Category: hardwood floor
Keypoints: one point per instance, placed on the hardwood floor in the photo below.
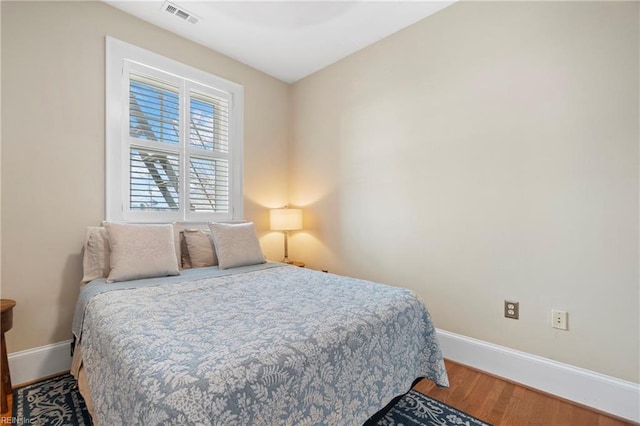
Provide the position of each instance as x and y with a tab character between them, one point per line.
5	418
496	401
500	402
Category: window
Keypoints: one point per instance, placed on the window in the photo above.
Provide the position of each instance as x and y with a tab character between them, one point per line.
174	140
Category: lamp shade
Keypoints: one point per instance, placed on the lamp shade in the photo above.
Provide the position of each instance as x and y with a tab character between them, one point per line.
285	219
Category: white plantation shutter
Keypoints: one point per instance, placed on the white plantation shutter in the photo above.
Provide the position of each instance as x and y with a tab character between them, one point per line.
209	119
154	183
178	155
209	185
154	110
209	152
154	116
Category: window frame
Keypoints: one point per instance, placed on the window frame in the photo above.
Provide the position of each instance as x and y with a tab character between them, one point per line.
121	59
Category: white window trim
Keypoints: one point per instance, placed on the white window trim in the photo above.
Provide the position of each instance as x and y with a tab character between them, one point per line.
118	55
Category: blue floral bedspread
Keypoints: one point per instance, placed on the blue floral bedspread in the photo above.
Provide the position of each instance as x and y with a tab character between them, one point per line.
266	346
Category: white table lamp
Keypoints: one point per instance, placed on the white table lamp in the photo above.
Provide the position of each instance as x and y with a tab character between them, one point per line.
286	220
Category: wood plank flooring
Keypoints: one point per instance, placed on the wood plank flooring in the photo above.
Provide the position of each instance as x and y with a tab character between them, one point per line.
5	418
496	401
499	402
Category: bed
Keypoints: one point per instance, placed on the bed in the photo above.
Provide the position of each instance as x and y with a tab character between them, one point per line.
260	344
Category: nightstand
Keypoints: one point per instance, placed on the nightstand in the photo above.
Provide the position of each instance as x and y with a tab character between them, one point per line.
7	323
298	264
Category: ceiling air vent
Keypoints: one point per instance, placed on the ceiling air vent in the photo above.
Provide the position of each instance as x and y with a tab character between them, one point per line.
179	12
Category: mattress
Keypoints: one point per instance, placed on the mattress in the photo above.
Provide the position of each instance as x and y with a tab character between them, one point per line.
261	345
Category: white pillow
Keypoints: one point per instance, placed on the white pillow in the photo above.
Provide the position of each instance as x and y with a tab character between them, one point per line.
200	247
141	251
97	252
236	245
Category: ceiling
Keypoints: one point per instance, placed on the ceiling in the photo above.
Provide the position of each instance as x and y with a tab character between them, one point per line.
286	39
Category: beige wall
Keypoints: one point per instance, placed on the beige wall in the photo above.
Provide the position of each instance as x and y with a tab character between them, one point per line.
53	100
488	152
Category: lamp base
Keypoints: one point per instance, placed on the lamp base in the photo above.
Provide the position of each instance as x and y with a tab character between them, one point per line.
287	260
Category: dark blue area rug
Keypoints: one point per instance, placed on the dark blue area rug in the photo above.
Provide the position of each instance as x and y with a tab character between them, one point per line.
57	401
415	408
54	401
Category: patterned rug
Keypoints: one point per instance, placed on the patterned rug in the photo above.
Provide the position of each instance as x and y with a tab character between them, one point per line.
57	401
415	408
54	401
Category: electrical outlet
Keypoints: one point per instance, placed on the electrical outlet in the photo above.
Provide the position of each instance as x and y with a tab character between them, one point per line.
511	309
560	319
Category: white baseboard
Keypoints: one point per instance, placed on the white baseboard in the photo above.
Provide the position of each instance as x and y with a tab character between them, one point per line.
605	393
33	364
608	394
